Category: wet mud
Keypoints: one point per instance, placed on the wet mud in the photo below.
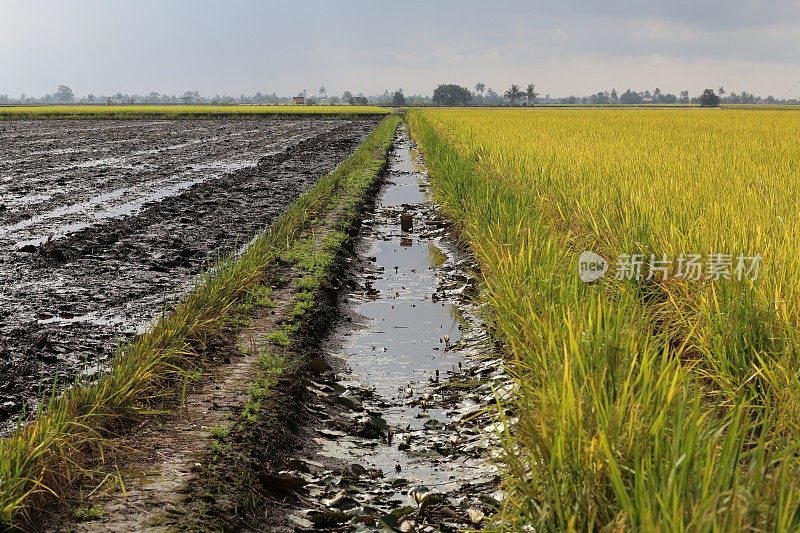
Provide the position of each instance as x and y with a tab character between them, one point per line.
402	427
104	225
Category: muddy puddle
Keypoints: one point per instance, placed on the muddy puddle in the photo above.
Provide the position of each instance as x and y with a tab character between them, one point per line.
403	425
105	224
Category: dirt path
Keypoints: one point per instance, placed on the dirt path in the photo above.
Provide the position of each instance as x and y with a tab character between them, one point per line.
164	463
401	430
104	224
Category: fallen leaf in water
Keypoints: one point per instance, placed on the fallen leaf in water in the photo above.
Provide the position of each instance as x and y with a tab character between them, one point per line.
328	518
374	427
489	501
350	401
475	516
447	512
341	501
419	493
282	482
433	424
403	511
388	522
332	480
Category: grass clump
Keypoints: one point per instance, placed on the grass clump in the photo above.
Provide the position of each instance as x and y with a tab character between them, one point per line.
220	433
93	512
279	338
308	284
261	296
317	264
271	367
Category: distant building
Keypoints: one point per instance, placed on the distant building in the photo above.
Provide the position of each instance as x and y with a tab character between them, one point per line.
300	100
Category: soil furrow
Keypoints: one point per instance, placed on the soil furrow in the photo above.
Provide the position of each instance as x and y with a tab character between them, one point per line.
79	168
72	298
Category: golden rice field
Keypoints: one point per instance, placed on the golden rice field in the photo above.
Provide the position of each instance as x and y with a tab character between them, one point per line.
665	402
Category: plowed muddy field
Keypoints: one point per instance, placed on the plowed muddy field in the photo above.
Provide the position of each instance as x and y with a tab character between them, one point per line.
105	224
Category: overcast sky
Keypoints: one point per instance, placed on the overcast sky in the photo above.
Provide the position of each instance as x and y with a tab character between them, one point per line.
243	46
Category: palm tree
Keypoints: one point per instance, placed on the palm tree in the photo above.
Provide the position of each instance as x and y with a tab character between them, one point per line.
721	90
531	93
322	92
479	88
513	93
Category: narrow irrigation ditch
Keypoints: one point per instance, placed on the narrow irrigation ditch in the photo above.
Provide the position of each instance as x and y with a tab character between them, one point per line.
401	425
353	388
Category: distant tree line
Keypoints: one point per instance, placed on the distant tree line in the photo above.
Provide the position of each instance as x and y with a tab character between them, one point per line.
65	95
516	96
448	94
456	95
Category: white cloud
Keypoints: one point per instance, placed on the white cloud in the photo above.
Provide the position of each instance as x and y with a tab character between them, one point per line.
250	45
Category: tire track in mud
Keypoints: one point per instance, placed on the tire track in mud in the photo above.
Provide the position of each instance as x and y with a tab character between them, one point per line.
69	299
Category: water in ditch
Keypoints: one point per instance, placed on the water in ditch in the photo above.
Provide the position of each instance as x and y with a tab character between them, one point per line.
406	421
